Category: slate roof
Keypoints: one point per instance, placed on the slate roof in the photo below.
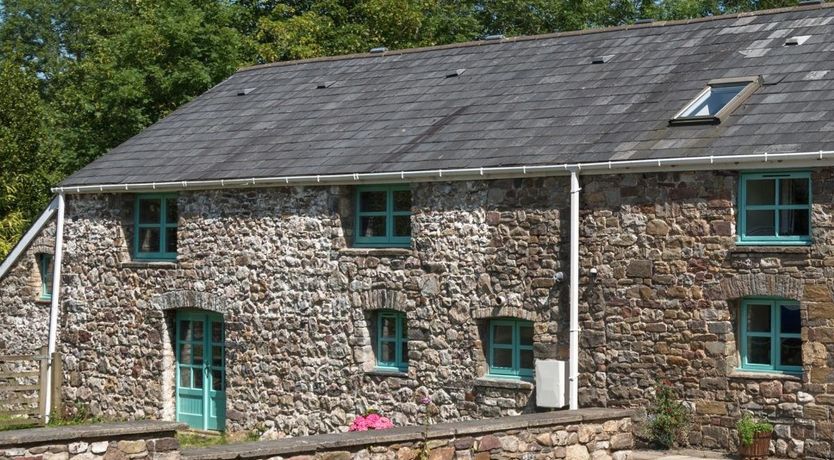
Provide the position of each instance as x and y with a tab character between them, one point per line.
527	101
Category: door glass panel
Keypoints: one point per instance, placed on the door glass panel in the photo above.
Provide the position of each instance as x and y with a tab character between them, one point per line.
790	351
794	191
402	200
372	226
149	239
171	239
197	328
185	330
790	322
216	356
793	222
217	380
185	377
198	378
372	201
402	225
503	334
185	353
761	192
758	318
760	223
217	332
502	357
758	350
198	355
149	211
526	359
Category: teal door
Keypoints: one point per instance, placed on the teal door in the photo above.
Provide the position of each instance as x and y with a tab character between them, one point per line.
201	386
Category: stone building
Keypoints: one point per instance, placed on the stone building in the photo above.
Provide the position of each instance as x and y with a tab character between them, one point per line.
312	239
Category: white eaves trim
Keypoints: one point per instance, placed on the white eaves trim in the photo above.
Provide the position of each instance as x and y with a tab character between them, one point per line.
28	237
723	162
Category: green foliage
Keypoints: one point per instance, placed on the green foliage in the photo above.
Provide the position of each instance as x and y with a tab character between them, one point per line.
668	418
748	427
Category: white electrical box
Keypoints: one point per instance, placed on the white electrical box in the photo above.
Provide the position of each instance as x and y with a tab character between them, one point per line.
551	383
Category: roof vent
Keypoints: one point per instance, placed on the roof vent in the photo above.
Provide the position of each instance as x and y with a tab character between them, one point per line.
380	49
325	84
456	73
495	37
810	2
644	21
245	91
798	40
601	59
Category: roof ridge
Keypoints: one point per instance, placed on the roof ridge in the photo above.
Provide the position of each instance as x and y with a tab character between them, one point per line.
524	38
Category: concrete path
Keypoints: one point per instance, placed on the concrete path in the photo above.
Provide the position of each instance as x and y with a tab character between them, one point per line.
682	454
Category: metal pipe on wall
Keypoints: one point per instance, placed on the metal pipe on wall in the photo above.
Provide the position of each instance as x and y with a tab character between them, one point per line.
52	338
573	360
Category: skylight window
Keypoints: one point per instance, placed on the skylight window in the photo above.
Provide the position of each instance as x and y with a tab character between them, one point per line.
717	100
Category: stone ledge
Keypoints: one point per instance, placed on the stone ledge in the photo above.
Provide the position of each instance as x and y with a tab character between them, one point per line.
149	264
329	442
754	249
376	252
384	373
494	382
29	436
764	376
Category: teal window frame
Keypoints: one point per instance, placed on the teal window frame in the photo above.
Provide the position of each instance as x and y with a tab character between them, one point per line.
46	276
399	339
388	240
776	207
162	225
515	371
775	334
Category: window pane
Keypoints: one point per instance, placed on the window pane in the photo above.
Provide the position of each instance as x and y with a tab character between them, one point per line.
502	334
502	358
761	191
149	239
790	321
388	352
402	200
185	377
198	378
171	211
526	335
149	211
758	350
171	239
47	266
198	355
758	318
404	357
389	326
185	353
791	352
526	359
217	332
372	201
217	380
372	226
794	191
197	328
216	356
402	225
185	330
793	222
760	223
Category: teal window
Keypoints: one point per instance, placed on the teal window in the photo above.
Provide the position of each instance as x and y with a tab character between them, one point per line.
391	341
770	335
510	348
45	268
775	208
383	216
155	235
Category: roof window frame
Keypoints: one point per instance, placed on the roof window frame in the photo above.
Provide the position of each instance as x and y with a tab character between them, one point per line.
751	84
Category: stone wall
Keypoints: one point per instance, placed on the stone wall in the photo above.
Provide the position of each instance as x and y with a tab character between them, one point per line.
25	317
121	441
576	435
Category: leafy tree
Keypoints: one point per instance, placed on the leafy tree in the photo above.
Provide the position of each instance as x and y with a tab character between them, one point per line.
27	156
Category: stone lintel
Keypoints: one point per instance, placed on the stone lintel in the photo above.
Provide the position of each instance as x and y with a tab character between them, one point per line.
760	284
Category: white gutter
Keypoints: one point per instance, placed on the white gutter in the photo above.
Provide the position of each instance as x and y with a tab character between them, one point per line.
56	293
573	359
28	237
749	161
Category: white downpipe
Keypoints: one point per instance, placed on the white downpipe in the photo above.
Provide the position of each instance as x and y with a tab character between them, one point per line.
56	292
573	362
722	162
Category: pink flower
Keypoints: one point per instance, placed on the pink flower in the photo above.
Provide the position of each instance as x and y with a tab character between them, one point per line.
370	422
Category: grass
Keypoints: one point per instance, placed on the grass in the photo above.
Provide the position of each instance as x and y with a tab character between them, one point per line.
192	439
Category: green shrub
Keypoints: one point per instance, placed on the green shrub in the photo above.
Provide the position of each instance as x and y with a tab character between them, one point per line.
748	427
668	418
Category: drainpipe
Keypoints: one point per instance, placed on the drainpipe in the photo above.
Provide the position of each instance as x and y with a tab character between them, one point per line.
53	308
573	361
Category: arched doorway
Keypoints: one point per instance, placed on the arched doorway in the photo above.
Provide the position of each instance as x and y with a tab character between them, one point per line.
200	369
